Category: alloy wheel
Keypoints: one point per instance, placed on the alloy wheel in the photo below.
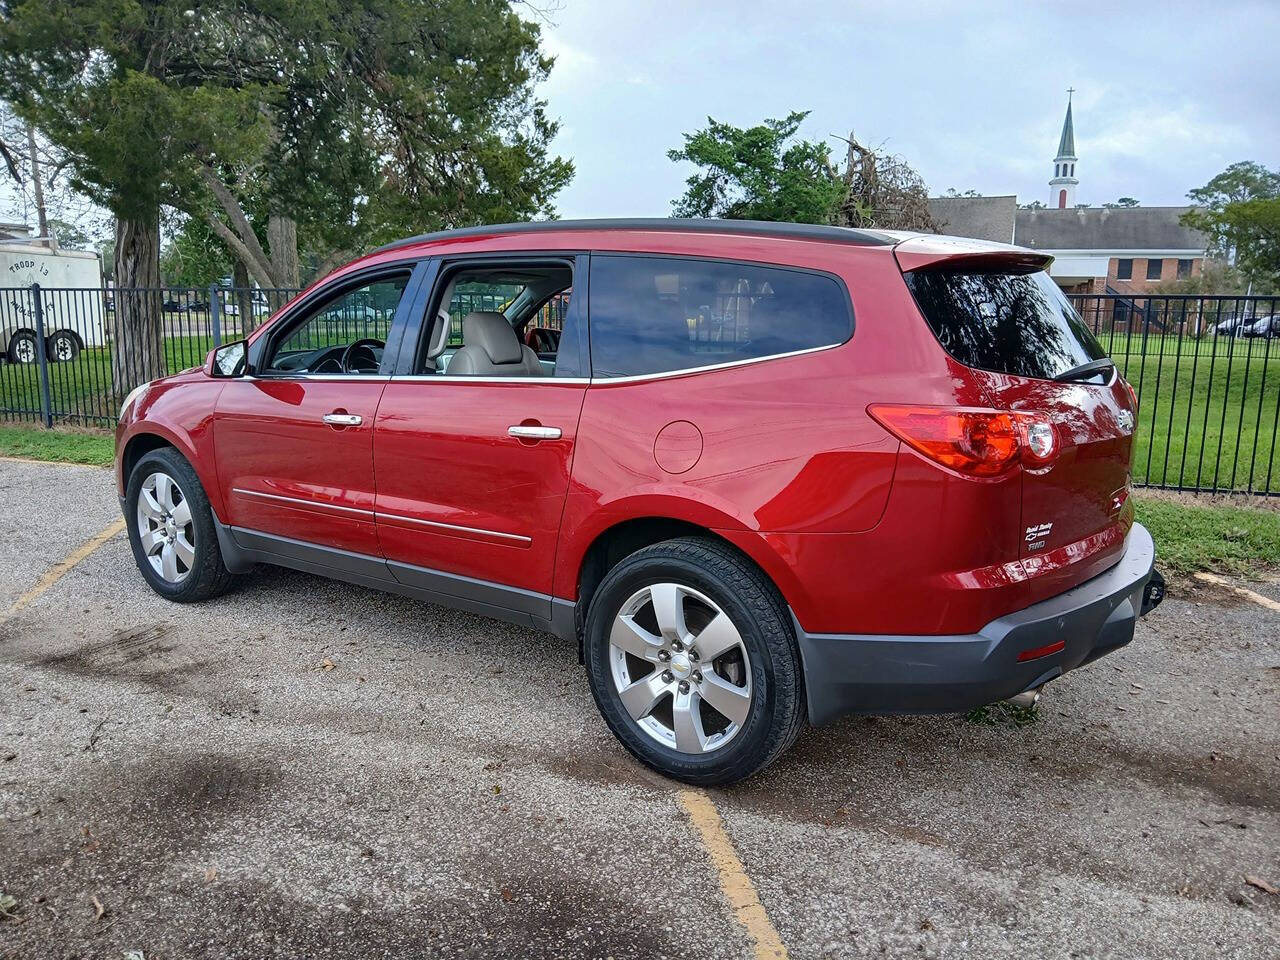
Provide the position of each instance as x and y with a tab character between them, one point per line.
681	668
165	529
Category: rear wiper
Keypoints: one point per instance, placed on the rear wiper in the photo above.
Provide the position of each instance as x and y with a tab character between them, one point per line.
1086	370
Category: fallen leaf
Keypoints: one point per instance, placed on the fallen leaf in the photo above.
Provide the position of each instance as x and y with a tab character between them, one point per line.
134	955
507	895
8	904
1261	884
326	664
99	911
497	788
211	874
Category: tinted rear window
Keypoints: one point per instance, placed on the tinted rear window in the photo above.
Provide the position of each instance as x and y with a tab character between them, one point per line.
1015	323
661	314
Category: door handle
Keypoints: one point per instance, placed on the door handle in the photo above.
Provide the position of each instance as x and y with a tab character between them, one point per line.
527	432
343	419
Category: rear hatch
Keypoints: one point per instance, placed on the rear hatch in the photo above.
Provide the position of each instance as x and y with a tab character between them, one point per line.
1003	317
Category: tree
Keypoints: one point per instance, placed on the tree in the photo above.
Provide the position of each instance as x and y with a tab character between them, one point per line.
764	173
353	120
881	191
395	117
195	256
1033	205
756	174
131	92
953	192
1123	202
1239	210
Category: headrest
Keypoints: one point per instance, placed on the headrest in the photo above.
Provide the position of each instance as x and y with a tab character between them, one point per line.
439	335
493	334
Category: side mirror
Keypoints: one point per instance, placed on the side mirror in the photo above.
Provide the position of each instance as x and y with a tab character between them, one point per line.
228	360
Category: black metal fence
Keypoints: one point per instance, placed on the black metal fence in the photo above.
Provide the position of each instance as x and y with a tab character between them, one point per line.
1206	369
68	356
1207	374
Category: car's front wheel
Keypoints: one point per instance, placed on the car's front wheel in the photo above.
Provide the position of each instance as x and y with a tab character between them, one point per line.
171	529
693	661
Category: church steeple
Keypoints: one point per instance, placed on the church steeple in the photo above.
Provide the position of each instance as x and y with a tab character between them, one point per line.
1062	187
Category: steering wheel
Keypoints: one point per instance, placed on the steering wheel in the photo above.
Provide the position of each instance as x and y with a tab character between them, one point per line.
359	356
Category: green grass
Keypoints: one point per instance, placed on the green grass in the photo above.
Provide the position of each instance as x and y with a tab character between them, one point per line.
83	386
1207	410
62	446
1236	540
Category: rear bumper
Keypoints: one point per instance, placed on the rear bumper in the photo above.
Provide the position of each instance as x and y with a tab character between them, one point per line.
851	673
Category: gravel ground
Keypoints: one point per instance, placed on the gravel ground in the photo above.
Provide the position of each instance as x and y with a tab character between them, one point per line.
303	768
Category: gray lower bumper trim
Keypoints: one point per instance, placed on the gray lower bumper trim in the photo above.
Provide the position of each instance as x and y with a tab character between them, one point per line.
862	673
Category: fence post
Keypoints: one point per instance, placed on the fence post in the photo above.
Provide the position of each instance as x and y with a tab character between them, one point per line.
215	315
42	359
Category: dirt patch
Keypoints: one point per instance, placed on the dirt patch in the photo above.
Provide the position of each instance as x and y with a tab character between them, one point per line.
147	654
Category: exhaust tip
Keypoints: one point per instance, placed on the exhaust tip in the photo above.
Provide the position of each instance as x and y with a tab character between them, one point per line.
1027	698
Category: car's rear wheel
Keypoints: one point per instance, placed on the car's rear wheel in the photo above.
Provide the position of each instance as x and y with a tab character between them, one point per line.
693	661
171	529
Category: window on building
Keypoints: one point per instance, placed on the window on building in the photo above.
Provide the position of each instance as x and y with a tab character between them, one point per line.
1155	266
1124	269
1184	269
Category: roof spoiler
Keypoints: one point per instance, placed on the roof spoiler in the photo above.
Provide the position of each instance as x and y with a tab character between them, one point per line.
924	251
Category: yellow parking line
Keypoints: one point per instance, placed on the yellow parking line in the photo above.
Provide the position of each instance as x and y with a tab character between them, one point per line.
737	886
58	571
1255	597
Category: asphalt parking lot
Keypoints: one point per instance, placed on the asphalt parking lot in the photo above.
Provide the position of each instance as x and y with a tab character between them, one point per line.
304	768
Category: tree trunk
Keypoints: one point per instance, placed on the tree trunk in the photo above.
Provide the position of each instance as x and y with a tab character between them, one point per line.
244	296
282	242
137	353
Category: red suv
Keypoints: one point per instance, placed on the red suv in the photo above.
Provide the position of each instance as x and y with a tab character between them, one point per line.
758	472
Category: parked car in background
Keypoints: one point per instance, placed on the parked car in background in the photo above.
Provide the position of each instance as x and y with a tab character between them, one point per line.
770	473
1268	326
1232	327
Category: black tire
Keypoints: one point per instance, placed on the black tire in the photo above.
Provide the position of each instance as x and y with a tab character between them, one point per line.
207	576
777	712
22	347
62	347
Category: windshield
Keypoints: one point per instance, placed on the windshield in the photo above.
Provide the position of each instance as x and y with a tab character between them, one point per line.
1017	323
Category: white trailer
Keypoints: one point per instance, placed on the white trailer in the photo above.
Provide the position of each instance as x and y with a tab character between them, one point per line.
71	294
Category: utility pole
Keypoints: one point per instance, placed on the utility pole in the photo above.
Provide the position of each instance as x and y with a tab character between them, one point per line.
41	214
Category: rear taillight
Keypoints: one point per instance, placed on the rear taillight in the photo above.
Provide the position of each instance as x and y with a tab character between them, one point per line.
973	442
1133	395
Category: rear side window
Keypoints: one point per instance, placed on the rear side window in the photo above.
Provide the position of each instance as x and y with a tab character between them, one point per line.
1015	323
661	314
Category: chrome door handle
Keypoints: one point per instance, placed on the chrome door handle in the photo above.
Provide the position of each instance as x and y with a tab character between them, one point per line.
343	419
523	432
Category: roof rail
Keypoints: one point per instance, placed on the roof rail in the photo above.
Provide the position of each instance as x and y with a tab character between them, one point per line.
799	231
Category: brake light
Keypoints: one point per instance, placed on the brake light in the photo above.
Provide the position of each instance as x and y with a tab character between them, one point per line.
973	442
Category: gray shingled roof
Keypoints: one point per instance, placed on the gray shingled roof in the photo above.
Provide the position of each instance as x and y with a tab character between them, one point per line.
1101	228
981	218
1067	145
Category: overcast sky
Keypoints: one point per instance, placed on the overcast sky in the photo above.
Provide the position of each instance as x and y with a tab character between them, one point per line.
972	95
